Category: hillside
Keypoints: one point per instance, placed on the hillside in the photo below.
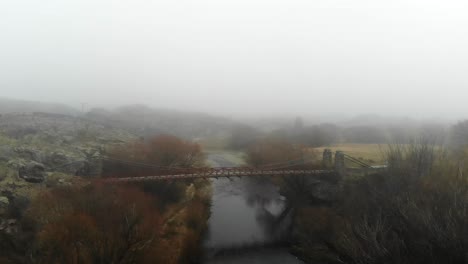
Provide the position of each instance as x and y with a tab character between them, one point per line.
146	121
38	150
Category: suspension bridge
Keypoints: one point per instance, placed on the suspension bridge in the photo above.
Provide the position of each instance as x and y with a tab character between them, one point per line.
287	168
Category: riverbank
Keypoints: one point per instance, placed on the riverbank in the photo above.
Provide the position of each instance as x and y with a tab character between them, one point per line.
185	226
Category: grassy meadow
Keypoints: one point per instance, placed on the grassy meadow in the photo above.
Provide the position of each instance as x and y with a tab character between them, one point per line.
369	153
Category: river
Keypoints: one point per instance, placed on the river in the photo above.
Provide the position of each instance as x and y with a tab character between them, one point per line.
243	226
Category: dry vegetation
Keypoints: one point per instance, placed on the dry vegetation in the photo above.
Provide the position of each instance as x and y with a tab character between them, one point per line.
414	213
86	222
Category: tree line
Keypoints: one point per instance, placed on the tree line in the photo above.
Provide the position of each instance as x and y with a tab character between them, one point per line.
243	136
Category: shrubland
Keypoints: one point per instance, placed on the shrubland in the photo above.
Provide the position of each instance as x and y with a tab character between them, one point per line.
79	220
415	212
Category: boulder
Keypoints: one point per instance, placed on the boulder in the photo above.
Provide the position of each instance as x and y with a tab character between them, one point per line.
68	163
32	172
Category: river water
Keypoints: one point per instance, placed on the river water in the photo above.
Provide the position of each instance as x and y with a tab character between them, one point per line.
244	225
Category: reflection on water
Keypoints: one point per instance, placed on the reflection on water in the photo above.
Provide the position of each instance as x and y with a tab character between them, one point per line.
244	213
244	220
258	256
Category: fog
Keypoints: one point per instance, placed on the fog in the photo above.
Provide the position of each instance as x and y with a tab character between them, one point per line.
240	57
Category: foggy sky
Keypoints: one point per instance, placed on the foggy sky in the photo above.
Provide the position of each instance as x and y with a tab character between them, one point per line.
240	57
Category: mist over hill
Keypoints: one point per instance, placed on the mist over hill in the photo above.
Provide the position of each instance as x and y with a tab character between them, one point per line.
22	106
146	121
138	119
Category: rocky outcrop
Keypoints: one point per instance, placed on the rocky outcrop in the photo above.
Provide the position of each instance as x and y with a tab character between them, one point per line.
69	163
82	162
72	161
33	172
61	143
58	129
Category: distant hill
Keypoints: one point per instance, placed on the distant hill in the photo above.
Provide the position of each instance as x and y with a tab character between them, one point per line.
136	119
146	121
23	106
378	121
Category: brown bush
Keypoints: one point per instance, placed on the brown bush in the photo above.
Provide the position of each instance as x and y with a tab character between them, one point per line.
163	154
95	224
273	150
415	213
154	156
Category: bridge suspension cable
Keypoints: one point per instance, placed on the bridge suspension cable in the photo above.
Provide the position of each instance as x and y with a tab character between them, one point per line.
359	162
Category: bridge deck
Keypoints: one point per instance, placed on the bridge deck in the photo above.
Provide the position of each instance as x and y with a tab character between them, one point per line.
219	173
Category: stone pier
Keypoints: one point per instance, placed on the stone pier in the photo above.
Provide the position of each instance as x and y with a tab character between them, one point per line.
340	167
327	160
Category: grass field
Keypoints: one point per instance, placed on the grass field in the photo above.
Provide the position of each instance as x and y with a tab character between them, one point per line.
234	158
369	153
219	143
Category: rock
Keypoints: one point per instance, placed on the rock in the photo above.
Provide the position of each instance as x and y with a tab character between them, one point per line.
69	163
28	153
33	172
